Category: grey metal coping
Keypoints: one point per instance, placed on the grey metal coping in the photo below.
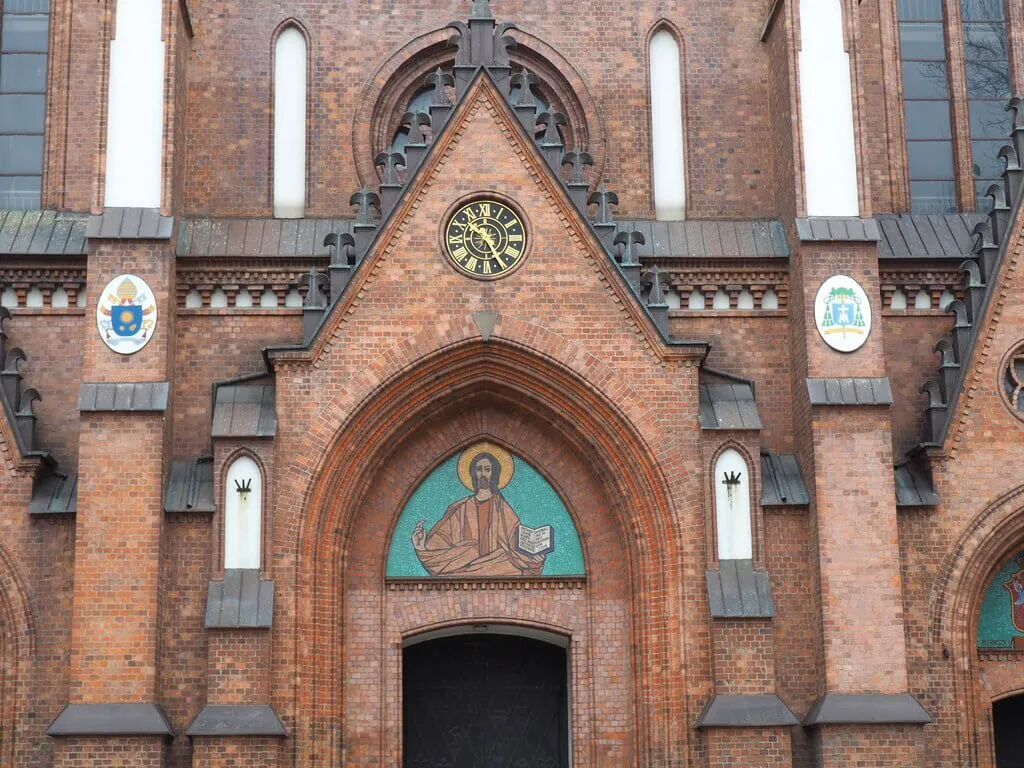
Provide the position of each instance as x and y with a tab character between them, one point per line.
728	406
245	409
55	494
255	720
927	236
848	229
127	396
257	237
782	482
241	600
914	486
50	233
110	720
131	224
745	239
865	708
849	391
736	590
764	710
190	486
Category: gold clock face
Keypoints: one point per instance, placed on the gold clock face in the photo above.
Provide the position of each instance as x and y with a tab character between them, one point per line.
485	239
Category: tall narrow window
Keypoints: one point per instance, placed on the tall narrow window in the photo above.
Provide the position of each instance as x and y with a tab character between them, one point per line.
732	507
24	38
926	106
290	125
987	65
243	514
667	127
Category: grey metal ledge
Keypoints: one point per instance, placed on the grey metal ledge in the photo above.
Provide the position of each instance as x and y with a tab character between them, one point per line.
737	591
190	486
254	720
55	494
131	396
110	720
866	708
49	233
848	229
728	406
753	711
849	391
130	224
241	601
782	483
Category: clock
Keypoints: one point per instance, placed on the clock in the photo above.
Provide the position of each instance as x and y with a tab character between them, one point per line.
485	239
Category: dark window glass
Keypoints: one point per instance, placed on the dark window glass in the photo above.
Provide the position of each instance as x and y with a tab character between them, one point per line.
987	162
982	10
922	41
925	80
23	73
989	120
21	114
930	159
919	10
928	120
20	192
24	34
985	41
933	197
21	154
988	79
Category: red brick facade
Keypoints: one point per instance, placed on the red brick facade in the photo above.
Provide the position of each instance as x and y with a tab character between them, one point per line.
107	605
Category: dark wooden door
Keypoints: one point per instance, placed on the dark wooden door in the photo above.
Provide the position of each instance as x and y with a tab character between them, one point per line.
485	701
1008	719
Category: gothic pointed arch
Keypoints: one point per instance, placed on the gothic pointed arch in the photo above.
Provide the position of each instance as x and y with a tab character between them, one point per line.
522	378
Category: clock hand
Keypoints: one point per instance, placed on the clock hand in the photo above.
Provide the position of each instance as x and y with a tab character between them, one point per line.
486	236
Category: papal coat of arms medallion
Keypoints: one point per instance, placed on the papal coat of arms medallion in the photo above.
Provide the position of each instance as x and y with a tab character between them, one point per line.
126	314
842	313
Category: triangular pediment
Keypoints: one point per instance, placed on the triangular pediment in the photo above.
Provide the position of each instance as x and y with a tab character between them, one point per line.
566	282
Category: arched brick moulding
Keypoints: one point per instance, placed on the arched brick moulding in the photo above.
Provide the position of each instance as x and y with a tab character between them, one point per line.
17	655
336	490
401	77
955	605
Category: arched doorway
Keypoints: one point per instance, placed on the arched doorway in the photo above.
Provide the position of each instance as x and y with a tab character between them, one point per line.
1008	725
485	699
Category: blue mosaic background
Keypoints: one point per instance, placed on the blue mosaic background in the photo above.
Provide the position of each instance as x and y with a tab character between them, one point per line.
995	625
532	498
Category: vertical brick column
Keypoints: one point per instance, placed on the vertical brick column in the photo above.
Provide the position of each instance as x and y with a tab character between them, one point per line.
842	426
113	716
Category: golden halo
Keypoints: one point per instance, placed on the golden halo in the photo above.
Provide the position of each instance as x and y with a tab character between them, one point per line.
504	458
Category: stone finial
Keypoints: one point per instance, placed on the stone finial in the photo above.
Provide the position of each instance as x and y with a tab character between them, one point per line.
656	294
461	42
317	285
502	43
344	246
525	79
1016	106
439	80
365	199
628	240
389	161
578	159
603	199
416	122
552	122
